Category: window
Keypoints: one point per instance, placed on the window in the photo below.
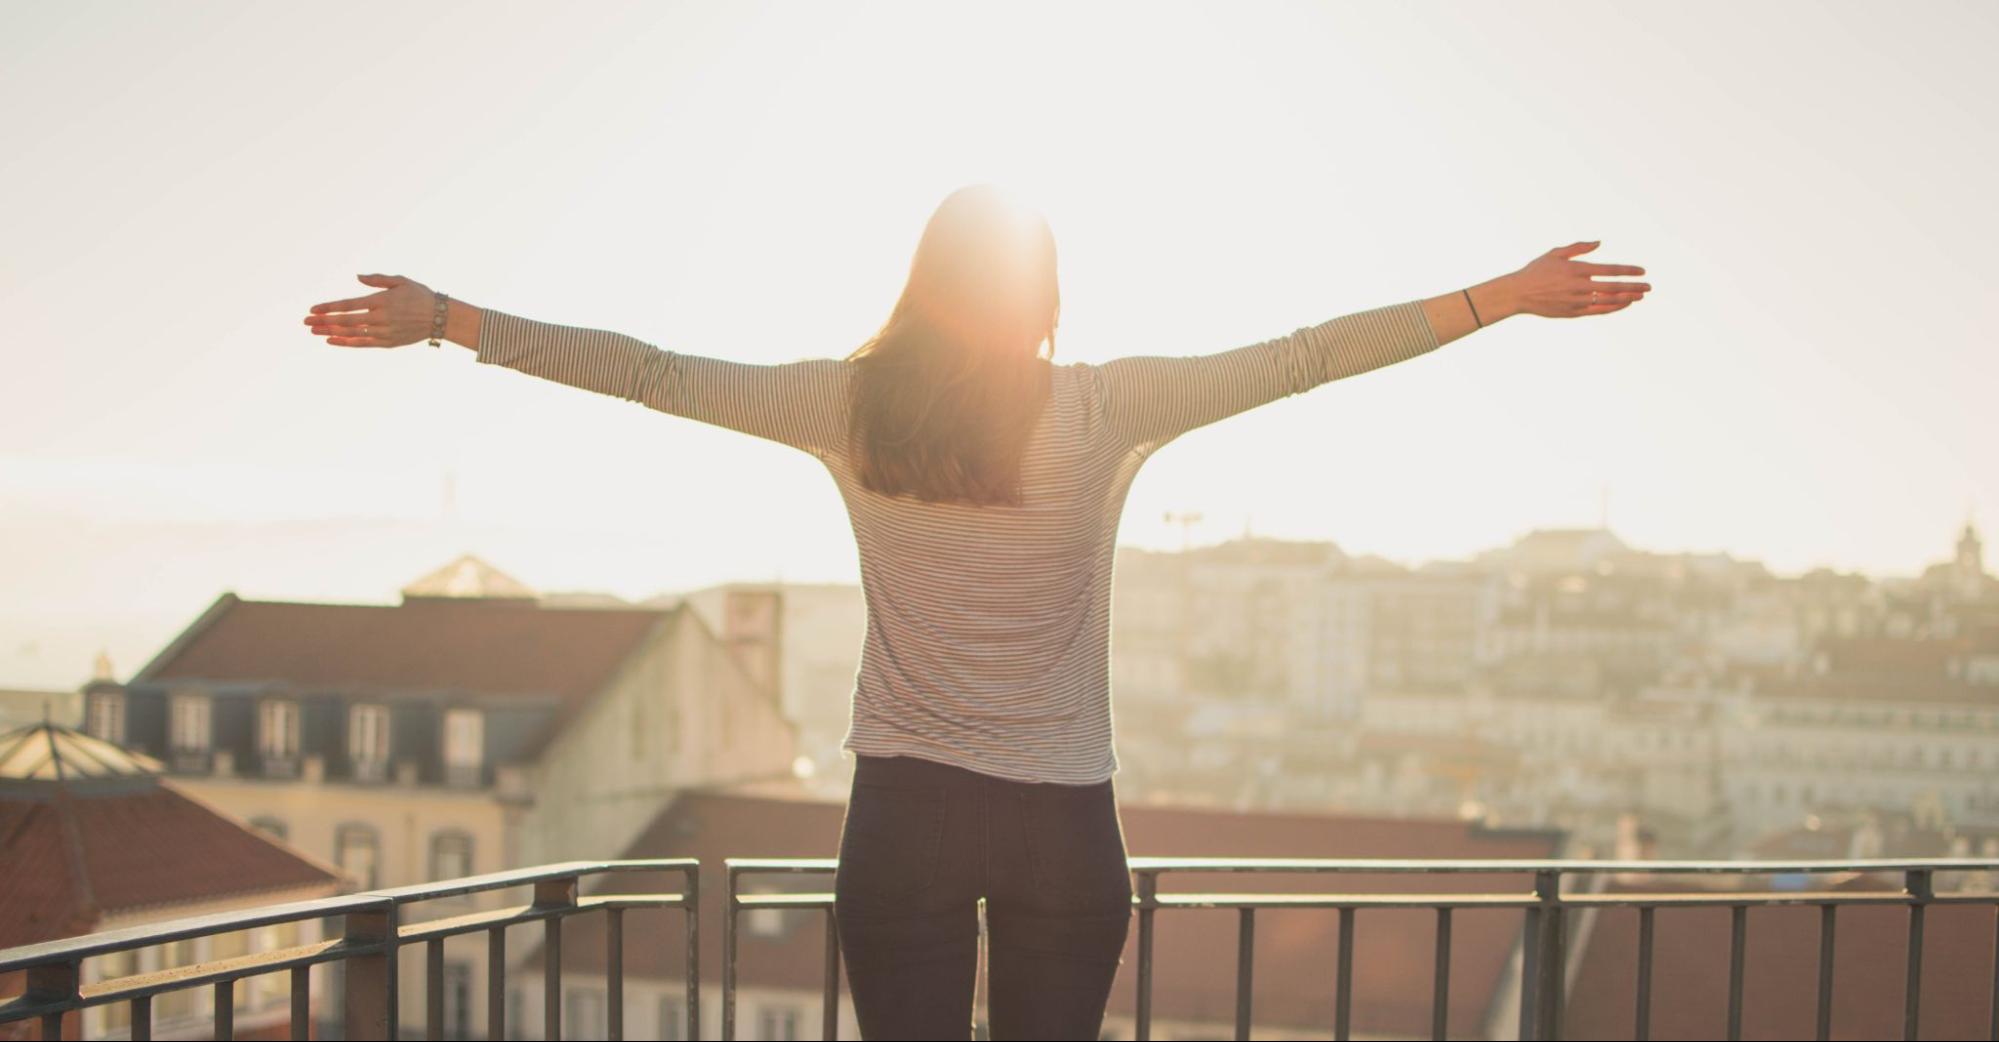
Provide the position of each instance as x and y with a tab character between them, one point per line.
358	853
464	738
277	729
582	1013
189	723
269	826
457	999
672	1019
450	856
764	922
368	741
107	718
779	1023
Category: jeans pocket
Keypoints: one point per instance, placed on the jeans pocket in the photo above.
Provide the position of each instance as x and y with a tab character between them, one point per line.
1075	847
890	842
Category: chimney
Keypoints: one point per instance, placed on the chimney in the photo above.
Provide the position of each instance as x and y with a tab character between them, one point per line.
752	629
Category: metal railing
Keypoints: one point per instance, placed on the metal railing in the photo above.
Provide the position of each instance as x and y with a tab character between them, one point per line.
374	933
1544	933
372	937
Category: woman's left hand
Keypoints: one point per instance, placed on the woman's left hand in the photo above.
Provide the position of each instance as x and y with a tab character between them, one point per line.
400	314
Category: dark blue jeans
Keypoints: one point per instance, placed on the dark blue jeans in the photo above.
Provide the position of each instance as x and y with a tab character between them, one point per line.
922	842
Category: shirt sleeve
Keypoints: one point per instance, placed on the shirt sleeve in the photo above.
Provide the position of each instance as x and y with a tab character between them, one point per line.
1149	400
801	404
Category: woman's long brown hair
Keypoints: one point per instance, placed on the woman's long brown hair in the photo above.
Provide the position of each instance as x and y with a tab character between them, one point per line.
946	394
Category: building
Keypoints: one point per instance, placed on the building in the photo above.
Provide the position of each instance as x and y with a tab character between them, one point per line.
804	641
468	729
95	840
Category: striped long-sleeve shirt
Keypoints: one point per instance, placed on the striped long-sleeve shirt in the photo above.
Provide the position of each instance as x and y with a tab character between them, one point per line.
988	629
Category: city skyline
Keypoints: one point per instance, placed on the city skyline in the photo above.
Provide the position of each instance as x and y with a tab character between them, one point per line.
53	648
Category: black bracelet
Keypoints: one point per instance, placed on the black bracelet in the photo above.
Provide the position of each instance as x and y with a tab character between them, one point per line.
1474	309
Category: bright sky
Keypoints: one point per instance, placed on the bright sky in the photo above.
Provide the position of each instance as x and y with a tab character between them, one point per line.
1808	185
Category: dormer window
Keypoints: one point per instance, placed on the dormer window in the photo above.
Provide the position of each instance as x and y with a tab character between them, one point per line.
464	745
277	734
189	723
368	741
107	717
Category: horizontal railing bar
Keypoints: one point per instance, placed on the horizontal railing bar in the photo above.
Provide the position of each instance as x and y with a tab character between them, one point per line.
623	901
109	941
1354	900
143	985
528	877
737	865
815	900
1503	866
476	922
1345	900
1631	900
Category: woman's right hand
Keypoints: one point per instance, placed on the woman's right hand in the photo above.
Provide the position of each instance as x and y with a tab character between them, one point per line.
1555	285
400	314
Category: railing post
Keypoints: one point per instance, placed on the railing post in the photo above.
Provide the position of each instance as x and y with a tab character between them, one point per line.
1642	1030
1826	933
433	989
496	982
729	956
301	1002
1738	955
1919	886
829	1003
693	909
1148	894
614	973
1548	968
1440	989
1343	985
225	1011
1245	970
370	978
553	893
54	982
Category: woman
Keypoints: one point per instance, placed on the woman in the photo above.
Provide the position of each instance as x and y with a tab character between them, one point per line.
984	484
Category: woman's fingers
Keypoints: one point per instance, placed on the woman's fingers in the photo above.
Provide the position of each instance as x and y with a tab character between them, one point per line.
352	341
351	302
1588	268
352	318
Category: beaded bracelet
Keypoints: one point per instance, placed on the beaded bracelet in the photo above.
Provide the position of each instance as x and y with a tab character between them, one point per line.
437	320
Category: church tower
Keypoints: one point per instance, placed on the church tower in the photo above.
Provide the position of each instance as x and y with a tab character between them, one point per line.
1967	571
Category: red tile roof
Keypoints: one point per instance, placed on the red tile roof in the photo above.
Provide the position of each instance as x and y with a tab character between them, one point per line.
1690	957
74	856
1195	948
469	645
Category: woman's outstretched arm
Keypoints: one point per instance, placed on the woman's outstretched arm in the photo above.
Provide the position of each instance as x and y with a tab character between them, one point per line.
801	404
1148	401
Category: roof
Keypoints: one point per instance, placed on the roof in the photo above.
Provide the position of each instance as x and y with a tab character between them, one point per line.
44	753
468	576
484	646
80	850
1392	966
1690	958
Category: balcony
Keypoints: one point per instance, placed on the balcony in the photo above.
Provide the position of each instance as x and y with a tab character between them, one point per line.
379	925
